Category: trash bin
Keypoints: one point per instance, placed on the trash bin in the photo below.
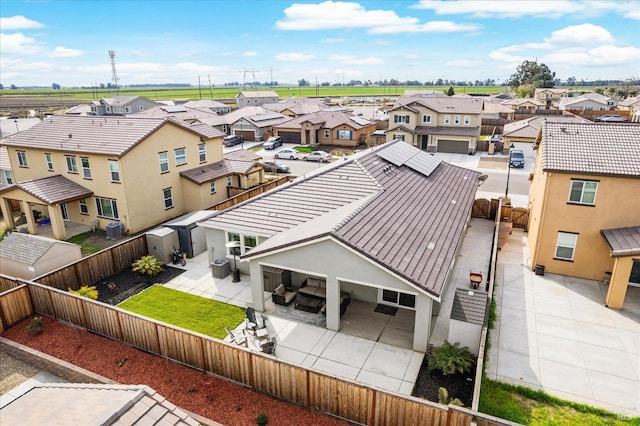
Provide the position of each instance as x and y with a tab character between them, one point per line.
220	268
539	269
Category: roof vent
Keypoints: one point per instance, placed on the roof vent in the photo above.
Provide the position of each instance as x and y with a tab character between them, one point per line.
70	135
431	246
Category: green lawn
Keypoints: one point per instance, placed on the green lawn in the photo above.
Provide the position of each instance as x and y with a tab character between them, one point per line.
304	149
529	407
86	249
185	310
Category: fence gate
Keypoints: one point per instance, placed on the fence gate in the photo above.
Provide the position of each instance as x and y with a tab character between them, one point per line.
520	217
481	208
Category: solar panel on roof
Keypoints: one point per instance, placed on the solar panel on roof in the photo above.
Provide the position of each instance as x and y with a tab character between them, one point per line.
402	154
361	121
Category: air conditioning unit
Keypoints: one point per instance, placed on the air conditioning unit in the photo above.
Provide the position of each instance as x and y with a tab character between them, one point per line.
114	231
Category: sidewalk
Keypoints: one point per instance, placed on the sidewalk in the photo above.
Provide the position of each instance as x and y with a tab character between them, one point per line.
554	333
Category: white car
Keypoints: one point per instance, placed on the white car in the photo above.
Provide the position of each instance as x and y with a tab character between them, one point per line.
287	154
319	156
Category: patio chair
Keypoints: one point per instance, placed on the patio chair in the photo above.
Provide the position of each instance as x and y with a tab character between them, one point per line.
255	323
238	339
269	347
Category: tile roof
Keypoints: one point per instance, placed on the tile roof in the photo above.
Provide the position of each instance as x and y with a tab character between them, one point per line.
27	249
623	241
530	127
206	103
52	189
235	115
93	404
445	104
96	135
209	172
469	306
408	218
259	94
328	120
241	155
520	101
181	112
600	149
495	108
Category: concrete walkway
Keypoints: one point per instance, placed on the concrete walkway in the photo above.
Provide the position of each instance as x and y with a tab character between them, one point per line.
554	333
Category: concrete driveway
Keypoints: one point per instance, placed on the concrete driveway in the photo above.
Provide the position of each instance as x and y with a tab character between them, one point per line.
554	333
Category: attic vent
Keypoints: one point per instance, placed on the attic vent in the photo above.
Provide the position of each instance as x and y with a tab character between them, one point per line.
453	201
272	214
387	169
70	135
343	177
431	246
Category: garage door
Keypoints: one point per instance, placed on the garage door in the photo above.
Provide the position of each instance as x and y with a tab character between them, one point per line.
290	137
248	135
456	147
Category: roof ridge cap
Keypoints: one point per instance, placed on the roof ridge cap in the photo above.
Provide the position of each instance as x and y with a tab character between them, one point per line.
357	210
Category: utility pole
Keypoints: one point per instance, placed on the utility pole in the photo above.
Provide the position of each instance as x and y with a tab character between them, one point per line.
210	89
199	87
114	74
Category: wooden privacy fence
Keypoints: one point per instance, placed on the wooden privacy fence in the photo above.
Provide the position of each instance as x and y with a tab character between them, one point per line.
486	209
322	392
246	194
98	266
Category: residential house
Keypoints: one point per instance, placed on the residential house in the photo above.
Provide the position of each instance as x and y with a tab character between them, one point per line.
527	130
256	98
121	105
437	124
549	96
383	227
209	104
631	104
524	105
496	111
29	256
180	112
326	128
253	123
588	102
295	107
11	126
584	204
100	171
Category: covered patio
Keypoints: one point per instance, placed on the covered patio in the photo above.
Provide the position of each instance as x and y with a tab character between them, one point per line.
625	248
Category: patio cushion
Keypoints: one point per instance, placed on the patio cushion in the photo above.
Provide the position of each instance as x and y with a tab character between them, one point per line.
280	290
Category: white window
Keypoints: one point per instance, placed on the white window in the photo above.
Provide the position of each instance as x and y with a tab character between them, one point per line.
107	208
49	160
163	158
168	198
86	168
467	120
22	159
72	164
9	177
127	109
400	137
181	156
447	119
247	242
456	119
202	152
426	119
140	108
327	133
229	180
212	187
583	192
108	109
344	134
390	297
84	208
401	118
114	169
566	245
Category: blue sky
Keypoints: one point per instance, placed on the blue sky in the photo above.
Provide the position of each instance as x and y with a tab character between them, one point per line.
67	42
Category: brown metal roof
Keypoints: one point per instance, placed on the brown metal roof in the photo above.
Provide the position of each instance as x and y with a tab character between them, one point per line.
97	135
212	171
53	189
623	241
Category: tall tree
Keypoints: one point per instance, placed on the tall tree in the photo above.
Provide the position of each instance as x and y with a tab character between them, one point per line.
530	72
450	92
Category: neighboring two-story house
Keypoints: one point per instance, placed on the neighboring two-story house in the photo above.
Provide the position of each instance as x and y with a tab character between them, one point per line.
121	105
98	171
209	104
524	105
256	98
584	204
326	128
550	96
437	124
588	102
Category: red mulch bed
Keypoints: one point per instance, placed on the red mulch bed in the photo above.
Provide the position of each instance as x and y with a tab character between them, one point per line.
187	388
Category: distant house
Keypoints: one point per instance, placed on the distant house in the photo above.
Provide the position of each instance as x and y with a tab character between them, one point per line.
208	104
251	122
79	110
550	96
295	107
584	204
121	105
326	128
29	256
527	130
181	112
437	124
588	102
256	98
495	111
524	105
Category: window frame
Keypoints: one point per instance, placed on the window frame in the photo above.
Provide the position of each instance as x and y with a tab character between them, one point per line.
384	297
212	187
229	181
327	133
168	199
242	239
180	159
202	152
401	118
86	170
113	171
581	201
83	202
163	162
456	120
447	119
8	176
467	120
562	234
426	119
22	159
341	133
400	137
72	164
48	159
113	207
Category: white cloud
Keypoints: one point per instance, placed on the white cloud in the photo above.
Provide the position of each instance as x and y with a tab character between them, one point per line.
581	35
345	15
64	52
18	43
504	9
355	60
332	40
249	54
294	57
19	22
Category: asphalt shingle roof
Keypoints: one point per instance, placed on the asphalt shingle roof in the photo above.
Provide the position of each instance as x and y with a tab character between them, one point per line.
469	306
623	241
599	149
52	189
25	248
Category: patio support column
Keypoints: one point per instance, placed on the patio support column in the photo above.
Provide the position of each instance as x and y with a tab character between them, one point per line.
422	325
619	282
257	285
333	304
31	222
7	214
57	223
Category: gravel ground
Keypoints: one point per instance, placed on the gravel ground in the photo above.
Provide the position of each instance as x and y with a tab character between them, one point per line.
14	372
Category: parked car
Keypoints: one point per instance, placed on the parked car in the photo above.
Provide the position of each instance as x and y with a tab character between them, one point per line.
276	167
232	140
319	156
291	154
611	118
517	159
272	142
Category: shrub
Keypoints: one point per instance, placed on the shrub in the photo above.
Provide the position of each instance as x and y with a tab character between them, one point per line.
90	292
262	419
443	398
35	325
451	359
148	265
